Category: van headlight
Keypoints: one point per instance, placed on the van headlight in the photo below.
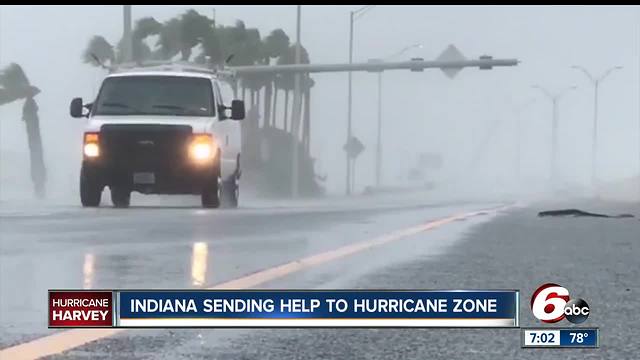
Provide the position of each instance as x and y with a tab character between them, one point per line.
202	147
91	147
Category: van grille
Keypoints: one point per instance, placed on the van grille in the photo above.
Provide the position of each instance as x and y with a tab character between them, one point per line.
144	147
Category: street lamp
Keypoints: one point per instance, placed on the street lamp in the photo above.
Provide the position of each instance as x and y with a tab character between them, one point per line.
404	50
518	111
297	105
128	42
379	138
353	15
595	81
555	98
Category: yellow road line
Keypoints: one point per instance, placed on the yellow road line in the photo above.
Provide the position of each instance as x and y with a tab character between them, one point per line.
70	339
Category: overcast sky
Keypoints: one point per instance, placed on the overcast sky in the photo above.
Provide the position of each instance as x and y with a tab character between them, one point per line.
423	112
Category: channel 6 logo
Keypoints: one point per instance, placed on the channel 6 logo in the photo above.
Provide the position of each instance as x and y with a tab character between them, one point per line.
551	303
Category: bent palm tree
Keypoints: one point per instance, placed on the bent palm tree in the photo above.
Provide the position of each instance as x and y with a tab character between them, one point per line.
286	81
194	28
99	51
275	45
191	33
144	28
15	86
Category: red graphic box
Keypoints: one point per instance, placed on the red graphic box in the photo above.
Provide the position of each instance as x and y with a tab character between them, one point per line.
80	308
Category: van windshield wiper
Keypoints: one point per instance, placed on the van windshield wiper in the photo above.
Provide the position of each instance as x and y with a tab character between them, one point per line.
120	105
167	106
177	109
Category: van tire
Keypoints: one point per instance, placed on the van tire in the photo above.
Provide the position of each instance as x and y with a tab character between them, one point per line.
120	197
230	193
210	196
90	189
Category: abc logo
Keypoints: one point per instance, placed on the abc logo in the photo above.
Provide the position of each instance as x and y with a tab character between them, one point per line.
551	303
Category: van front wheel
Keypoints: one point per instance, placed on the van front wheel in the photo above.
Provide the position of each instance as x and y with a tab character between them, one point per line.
90	189
210	196
120	197
230	193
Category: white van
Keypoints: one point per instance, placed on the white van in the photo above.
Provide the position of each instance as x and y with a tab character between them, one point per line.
161	130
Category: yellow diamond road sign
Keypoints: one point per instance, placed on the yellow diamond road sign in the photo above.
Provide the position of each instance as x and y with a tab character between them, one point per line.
451	53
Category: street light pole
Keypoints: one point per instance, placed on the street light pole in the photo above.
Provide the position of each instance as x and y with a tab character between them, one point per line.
555	99
594	136
295	121
554	143
379	138
518	167
348	185
127	23
352	17
518	147
594	141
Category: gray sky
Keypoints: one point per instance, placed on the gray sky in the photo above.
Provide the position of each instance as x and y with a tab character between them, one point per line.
422	111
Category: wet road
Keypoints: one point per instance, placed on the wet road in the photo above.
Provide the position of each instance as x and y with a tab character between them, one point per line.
157	247
177	246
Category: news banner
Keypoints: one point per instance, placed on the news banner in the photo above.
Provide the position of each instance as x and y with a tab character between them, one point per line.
318	309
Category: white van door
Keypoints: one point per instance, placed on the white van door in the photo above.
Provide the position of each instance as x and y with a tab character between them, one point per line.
231	140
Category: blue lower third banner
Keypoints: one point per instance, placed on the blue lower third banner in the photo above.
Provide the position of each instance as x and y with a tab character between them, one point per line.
317	308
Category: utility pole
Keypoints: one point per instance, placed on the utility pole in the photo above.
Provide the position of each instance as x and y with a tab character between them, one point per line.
379	140
353	15
0	36
518	137
555	98
128	44
295	122
348	185
594	138
554	143
595	81
518	148
379	137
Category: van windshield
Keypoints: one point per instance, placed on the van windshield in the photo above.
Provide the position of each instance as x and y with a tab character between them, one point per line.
155	95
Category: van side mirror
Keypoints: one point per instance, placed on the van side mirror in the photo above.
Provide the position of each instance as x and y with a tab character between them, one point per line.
75	109
237	110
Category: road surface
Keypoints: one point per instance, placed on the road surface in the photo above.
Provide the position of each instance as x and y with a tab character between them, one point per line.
187	247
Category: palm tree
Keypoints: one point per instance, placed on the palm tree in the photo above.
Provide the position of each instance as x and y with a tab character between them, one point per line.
250	52
169	40
274	46
184	34
286	81
99	51
230	40
193	29
14	86
144	28
177	35
211	47
307	84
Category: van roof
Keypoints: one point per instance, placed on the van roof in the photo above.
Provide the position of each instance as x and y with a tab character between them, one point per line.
149	72
164	68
